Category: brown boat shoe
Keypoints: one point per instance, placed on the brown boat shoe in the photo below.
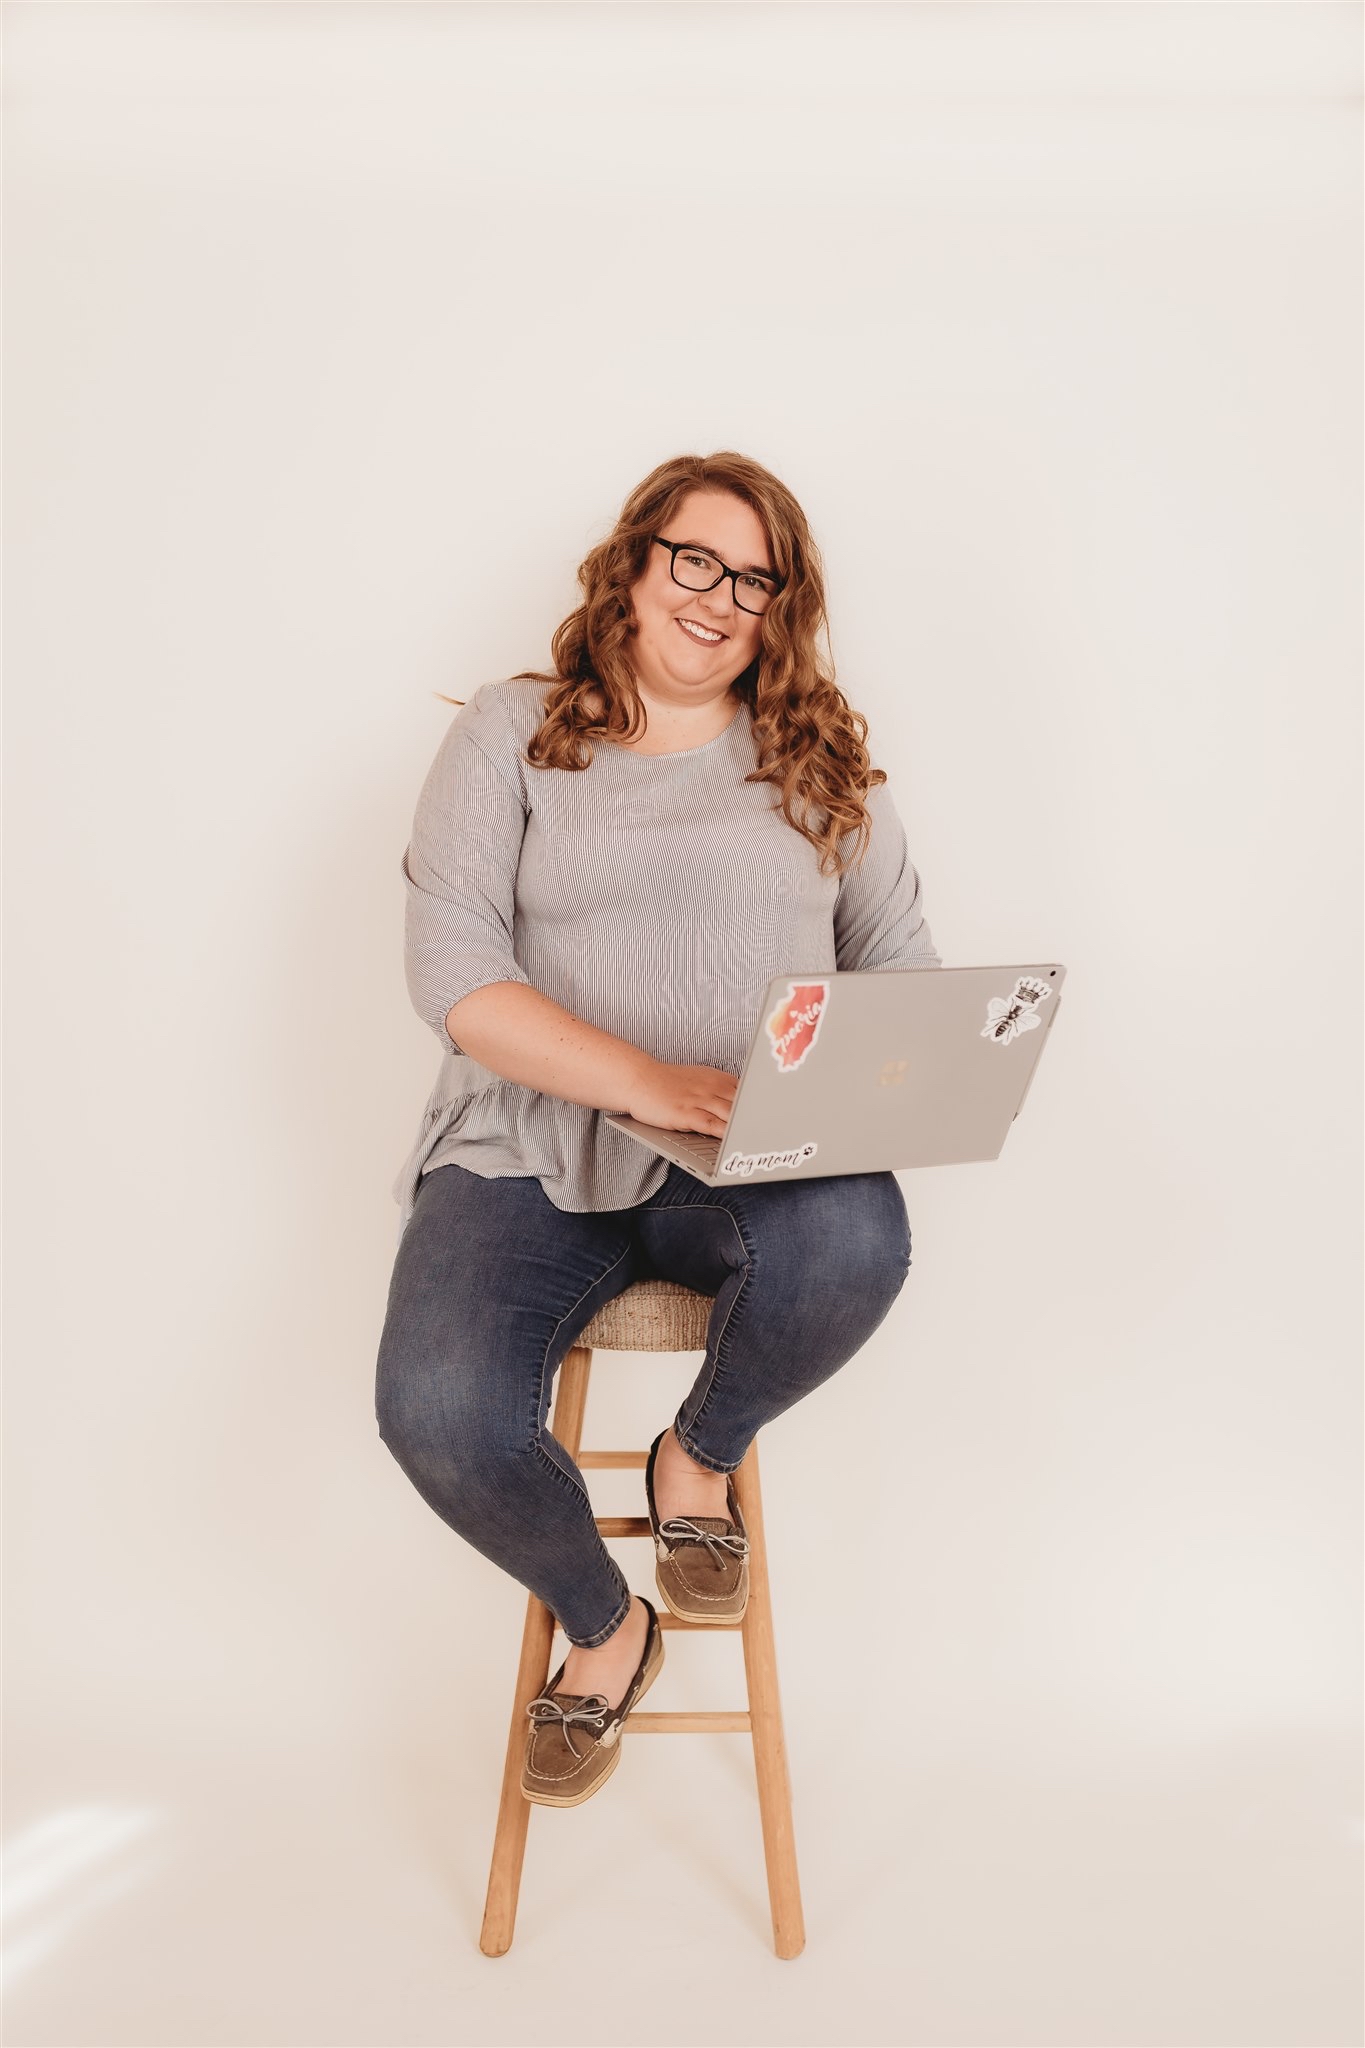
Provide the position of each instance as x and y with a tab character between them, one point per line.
701	1562
574	1741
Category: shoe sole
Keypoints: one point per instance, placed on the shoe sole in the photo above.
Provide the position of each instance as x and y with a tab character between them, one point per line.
685	1614
577	1798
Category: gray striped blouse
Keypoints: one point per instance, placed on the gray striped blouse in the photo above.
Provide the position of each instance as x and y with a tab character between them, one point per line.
653	895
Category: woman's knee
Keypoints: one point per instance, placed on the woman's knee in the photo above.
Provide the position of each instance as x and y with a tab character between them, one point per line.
849	1228
879	1224
434	1408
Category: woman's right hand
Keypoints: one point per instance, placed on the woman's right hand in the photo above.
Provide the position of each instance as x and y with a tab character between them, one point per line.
683	1098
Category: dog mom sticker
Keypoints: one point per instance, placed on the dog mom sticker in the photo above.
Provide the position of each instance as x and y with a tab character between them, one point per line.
760	1162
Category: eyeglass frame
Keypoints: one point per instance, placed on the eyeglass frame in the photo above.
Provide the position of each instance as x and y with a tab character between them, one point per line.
675	547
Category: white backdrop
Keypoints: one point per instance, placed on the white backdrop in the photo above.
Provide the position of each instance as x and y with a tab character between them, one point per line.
334	337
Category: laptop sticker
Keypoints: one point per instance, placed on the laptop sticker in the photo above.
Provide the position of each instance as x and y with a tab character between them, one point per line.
752	1162
1009	1015
795	1024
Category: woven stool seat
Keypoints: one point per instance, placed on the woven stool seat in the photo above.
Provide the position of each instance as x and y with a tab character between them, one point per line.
651	1315
656	1315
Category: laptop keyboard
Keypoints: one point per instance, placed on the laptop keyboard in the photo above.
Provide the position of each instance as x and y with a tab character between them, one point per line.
697	1149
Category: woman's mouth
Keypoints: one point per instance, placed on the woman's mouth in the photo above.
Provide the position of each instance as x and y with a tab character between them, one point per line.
703	639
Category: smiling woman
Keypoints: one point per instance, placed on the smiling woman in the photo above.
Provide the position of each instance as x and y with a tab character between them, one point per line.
608	865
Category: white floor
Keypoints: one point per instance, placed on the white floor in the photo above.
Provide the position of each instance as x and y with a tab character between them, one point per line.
272	1882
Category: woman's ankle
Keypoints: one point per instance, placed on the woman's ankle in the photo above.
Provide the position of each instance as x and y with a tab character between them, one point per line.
673	1448
635	1611
603	1668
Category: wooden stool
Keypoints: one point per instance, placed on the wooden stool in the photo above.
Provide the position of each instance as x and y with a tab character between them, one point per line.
655	1315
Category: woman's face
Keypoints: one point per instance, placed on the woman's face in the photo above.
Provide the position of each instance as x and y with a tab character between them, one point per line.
673	664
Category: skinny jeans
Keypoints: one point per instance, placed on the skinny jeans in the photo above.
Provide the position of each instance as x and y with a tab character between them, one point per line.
492	1285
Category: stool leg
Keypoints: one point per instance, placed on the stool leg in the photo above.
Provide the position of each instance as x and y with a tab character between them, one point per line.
514	1809
765	1720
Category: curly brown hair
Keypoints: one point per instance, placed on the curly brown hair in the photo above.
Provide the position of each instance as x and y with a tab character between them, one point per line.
810	741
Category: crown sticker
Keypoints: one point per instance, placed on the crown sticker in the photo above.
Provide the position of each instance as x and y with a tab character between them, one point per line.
1016	1012
795	1024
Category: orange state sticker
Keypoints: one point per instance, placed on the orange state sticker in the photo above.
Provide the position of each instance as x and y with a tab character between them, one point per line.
795	1024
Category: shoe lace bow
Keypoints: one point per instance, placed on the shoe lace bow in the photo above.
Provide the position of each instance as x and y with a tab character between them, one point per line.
680	1529
590	1707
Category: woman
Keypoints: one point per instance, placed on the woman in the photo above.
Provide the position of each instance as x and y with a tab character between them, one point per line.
608	864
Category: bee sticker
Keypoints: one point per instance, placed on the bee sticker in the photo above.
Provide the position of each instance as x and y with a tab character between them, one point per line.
1016	1012
758	1162
795	1024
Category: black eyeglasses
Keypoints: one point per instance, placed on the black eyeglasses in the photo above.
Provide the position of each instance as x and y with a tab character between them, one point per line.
699	569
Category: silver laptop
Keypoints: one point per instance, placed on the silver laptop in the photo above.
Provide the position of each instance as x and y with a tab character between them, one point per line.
865	1072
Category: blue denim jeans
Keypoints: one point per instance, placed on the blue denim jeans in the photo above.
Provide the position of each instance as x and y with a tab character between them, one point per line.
492	1284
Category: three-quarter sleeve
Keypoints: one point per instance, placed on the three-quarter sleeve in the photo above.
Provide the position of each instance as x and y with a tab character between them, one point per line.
879	911
459	871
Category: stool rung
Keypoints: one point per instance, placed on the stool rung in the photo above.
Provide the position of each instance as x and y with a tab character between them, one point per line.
687	1724
668	1619
612	1461
623	1525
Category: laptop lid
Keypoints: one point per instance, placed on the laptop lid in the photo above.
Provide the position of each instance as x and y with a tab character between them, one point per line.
872	1071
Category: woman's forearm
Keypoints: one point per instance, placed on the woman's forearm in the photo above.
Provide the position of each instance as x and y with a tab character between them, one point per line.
515	1031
